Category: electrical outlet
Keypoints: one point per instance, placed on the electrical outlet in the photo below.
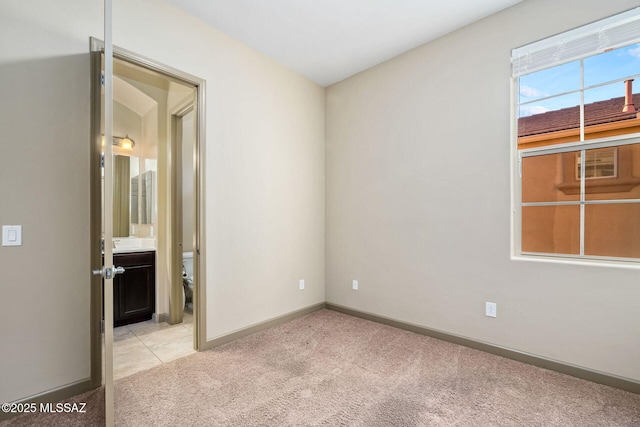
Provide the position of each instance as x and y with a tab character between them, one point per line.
301	285
354	285
491	309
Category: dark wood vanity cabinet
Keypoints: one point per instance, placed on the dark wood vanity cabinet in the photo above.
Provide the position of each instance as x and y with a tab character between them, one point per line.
134	291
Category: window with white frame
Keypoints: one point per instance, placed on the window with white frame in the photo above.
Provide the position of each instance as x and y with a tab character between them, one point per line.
577	183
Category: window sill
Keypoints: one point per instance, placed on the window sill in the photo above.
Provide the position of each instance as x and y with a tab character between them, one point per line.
607	263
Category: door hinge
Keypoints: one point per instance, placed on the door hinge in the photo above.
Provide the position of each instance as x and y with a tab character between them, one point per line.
102	326
102	160
102	79
102	245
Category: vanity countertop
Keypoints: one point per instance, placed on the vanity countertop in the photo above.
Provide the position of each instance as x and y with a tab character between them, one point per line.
132	250
133	244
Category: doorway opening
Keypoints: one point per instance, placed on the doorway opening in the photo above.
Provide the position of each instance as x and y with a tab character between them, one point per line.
158	206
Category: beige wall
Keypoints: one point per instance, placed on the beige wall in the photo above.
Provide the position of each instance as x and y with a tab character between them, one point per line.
264	161
44	186
264	182
418	201
417	205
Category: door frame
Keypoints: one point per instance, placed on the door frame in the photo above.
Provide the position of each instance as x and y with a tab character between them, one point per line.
176	209
199	266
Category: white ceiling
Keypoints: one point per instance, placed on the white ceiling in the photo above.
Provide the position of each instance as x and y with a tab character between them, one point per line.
330	40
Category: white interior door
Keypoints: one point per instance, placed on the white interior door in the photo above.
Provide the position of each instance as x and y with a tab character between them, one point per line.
102	215
108	269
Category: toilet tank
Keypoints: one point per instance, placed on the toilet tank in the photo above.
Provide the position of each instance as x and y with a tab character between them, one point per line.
187	262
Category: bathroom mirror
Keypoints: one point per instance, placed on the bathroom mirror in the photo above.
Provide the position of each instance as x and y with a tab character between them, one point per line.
121	195
142	189
133	197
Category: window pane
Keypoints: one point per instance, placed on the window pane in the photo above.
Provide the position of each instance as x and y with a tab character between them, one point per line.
552	81
612	65
550	178
549	121
605	114
613	173
598	163
551	229
612	230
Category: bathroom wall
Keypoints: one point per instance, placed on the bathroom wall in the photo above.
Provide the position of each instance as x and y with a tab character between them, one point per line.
127	122
418	201
188	138
264	179
149	162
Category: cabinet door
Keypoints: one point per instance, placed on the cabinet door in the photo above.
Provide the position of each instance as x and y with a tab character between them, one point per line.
135	289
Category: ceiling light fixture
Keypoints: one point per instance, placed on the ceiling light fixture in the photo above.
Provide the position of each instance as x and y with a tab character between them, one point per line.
125	143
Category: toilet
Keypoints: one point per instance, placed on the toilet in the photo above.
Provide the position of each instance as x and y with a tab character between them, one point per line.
187	280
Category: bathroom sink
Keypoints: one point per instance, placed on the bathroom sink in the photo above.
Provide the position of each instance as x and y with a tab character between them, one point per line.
133	244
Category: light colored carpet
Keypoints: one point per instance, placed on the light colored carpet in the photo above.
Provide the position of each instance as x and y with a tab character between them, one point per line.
332	369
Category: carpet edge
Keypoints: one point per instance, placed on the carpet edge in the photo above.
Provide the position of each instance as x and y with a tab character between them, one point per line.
599	377
252	329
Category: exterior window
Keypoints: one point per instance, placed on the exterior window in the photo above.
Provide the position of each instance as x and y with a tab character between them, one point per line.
600	163
578	145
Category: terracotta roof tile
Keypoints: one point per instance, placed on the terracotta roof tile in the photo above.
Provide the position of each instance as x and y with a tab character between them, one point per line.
569	118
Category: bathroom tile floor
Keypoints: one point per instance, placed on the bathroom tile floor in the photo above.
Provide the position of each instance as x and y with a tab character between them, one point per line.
143	345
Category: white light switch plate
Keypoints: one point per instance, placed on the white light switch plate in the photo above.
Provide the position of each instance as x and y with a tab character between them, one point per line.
491	309
11	235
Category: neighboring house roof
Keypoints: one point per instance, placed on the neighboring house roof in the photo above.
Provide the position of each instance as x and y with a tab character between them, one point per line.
569	118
